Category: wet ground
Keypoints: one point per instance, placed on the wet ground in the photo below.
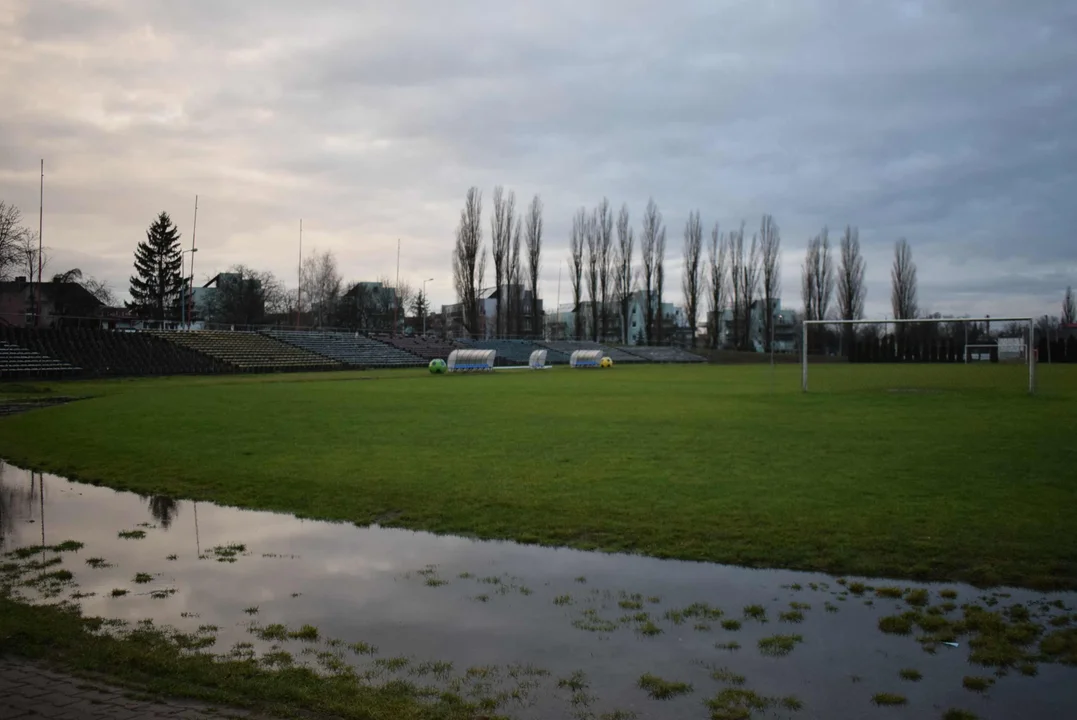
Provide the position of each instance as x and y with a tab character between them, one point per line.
541	632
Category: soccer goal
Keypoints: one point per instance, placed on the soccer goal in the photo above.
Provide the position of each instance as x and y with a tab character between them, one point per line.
955	341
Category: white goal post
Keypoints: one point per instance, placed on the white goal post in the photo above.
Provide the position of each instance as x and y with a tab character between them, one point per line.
1030	352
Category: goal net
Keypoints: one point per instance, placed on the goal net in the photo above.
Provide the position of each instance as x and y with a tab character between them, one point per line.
928	354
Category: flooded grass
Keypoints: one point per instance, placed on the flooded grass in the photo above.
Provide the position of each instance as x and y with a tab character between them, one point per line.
779	645
918	598
888	699
755	612
132	534
307	633
97	563
1006	634
725	675
661	689
957	714
738	703
161	663
977	683
143	578
118	592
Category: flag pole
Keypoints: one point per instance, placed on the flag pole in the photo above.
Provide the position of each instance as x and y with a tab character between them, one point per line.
40	225
299	277
396	290
190	296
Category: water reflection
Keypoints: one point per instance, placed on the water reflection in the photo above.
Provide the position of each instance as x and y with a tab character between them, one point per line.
501	607
164	510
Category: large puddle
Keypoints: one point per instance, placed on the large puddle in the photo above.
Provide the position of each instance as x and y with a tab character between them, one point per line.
539	632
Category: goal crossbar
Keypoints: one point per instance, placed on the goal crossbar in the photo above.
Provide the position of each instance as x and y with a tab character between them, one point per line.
1031	323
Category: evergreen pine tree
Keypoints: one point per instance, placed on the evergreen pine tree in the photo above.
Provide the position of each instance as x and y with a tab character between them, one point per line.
156	286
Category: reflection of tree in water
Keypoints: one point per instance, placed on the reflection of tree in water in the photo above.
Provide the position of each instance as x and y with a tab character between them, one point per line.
16	504
164	510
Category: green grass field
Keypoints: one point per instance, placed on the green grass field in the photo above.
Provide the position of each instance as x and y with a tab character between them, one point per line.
928	472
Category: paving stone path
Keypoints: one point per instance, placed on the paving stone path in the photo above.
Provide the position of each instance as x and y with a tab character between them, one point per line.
29	691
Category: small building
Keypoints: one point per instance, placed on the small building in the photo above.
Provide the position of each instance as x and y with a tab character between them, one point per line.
63	304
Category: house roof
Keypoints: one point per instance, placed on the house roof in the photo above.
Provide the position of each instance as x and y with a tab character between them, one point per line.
68	293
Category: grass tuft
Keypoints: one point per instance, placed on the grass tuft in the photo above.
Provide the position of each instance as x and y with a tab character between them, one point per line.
911	674
888	699
755	612
660	689
779	645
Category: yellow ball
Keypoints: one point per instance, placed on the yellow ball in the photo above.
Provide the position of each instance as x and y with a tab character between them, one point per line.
607	362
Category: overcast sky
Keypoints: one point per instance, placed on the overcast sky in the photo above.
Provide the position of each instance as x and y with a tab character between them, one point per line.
953	124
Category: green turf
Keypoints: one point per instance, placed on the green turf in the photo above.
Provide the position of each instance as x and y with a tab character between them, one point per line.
965	477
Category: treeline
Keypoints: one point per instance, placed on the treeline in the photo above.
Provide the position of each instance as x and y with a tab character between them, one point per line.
516	240
21	255
162	292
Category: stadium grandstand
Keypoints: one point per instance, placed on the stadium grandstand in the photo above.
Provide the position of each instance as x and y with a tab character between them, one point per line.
350	349
661	354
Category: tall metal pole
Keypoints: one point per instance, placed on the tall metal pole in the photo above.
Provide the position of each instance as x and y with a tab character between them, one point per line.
190	294
557	308
299	277
1031	358
396	290
426	303
804	356
40	225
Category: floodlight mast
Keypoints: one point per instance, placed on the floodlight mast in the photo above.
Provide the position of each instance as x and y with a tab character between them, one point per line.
1029	321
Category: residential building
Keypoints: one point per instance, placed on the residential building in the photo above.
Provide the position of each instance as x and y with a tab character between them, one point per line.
784	332
489	301
63	304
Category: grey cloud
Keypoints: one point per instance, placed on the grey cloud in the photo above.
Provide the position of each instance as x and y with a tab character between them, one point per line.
948	124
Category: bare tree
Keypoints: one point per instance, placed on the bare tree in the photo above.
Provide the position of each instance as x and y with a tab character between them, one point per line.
735	254
591	241
624	276
716	282
659	283
817	278
604	229
27	256
514	281
100	289
1069	308
903	283
500	241
851	289
274	292
693	250
12	236
469	259
404	296
68	276
533	238
321	284
576	246
748	279
770	249
648	245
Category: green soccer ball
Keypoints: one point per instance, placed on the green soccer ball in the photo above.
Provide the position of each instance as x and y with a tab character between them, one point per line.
438	366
